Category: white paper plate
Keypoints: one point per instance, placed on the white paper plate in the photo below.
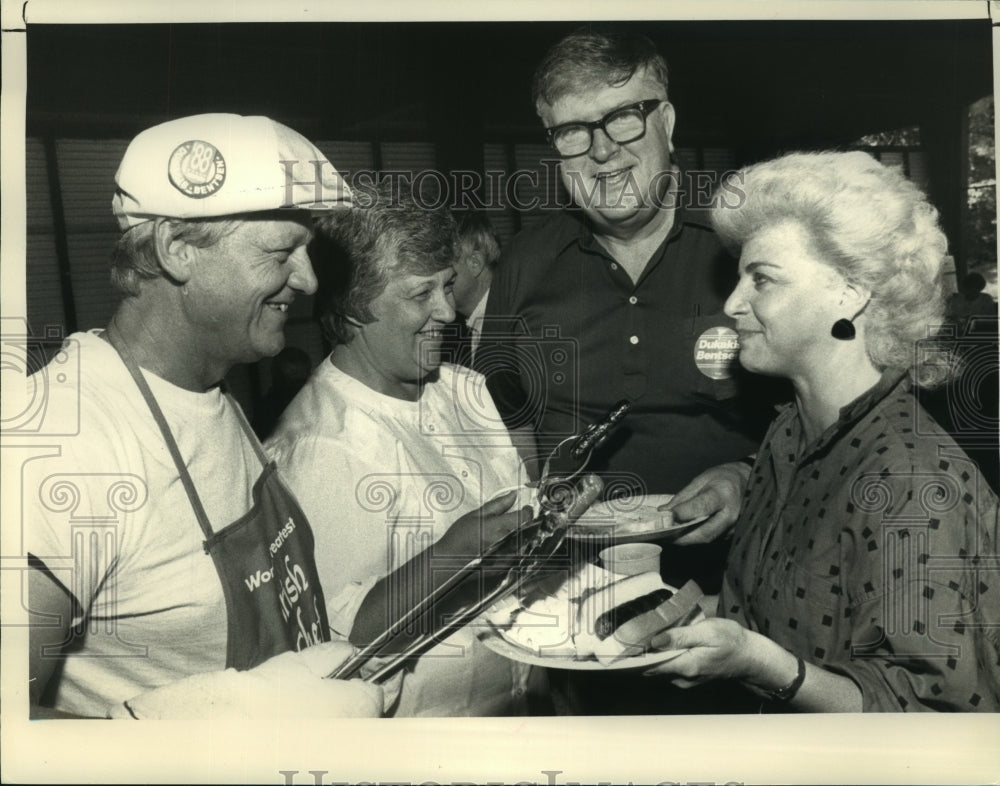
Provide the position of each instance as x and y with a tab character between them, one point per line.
559	658
563	655
627	519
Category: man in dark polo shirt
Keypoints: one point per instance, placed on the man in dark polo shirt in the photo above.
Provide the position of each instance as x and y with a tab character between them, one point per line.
621	297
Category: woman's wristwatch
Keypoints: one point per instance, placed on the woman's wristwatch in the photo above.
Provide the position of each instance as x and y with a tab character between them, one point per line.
787	693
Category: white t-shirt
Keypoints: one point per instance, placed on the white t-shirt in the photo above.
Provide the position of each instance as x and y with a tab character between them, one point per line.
105	511
381	479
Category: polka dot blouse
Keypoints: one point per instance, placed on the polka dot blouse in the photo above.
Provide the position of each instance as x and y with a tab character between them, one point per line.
873	553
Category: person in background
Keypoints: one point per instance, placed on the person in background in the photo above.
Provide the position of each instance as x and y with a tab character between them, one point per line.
171	573
476	257
970	301
386	446
633	281
289	371
967	406
862	572
620	297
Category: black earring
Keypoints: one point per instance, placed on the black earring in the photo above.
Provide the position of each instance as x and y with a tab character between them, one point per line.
843	330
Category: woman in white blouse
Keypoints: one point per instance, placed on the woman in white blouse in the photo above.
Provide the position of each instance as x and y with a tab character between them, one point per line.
386	446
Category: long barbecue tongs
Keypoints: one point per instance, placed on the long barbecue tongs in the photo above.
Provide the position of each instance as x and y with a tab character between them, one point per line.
541	538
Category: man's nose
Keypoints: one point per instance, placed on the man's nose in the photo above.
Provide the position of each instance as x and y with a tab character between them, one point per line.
302	278
602	147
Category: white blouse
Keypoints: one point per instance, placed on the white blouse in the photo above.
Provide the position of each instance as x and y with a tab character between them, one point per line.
381	479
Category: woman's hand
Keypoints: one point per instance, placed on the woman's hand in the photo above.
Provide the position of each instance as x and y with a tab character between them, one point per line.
470	535
409	584
716	493
711	649
724	649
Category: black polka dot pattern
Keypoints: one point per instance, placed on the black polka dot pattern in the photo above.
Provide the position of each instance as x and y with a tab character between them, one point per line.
867	554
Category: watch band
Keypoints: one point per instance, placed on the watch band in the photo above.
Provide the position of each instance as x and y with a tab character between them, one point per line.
787	693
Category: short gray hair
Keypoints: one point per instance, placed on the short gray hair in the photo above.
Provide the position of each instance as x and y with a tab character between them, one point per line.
588	58
134	259
476	233
356	252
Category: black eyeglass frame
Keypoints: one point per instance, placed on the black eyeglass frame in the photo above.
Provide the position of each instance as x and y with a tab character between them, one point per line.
646	107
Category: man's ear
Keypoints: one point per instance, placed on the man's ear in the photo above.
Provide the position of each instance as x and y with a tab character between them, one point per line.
666	110
475	262
175	255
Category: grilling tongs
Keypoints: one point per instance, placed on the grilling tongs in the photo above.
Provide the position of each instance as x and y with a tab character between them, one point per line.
561	502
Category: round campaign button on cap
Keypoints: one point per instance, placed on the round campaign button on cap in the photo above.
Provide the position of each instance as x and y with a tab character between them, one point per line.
197	169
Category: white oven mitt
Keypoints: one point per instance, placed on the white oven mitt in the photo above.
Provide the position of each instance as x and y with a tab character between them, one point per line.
290	685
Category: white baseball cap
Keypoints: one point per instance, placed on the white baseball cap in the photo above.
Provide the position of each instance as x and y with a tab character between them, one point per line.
222	165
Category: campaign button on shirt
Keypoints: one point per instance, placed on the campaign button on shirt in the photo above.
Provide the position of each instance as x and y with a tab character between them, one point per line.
716	352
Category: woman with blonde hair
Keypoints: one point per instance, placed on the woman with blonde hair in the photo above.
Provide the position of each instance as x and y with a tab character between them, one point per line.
862	571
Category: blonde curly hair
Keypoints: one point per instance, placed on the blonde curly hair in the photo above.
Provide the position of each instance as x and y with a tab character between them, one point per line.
873	226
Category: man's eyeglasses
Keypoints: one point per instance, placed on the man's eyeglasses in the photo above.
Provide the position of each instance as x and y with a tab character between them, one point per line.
623	125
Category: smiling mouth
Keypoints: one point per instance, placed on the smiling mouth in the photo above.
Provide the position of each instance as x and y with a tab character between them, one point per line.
618	174
281	307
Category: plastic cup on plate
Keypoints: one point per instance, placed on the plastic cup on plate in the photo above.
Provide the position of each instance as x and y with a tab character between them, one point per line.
630	559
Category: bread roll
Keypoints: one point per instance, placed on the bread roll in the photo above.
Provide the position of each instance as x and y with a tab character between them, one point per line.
621	619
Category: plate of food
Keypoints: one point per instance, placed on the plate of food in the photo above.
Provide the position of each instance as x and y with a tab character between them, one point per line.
593	621
632	518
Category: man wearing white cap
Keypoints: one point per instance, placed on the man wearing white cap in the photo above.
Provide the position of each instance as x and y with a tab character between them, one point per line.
180	582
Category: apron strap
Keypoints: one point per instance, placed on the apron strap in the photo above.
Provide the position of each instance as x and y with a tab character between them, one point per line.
247	429
168	437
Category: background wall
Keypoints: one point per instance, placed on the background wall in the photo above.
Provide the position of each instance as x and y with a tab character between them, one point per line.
454	96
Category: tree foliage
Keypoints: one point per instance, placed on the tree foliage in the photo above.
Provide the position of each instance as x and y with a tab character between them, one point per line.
980	224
